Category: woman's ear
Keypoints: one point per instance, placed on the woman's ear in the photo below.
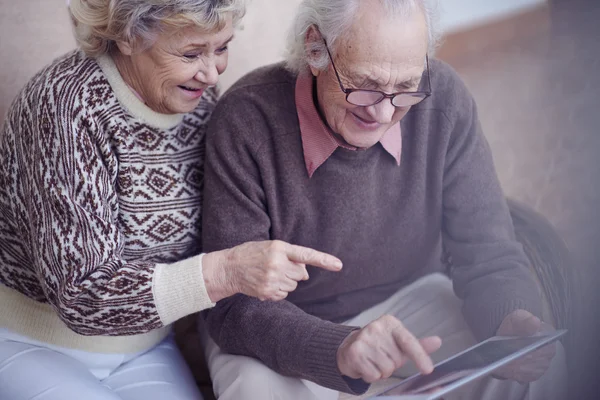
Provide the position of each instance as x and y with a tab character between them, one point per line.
313	46
125	48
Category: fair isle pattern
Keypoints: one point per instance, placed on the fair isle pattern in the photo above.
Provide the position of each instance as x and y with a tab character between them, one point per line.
92	197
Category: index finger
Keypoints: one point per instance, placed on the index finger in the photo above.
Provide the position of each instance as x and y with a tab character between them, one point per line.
411	347
305	255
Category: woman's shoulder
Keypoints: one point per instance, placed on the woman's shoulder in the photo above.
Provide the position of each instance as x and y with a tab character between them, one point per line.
70	71
68	97
63	84
63	106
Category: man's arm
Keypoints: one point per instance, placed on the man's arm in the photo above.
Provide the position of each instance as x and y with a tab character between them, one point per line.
282	336
490	270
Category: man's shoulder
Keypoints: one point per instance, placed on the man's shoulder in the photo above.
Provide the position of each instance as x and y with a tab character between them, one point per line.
270	87
449	92
263	78
261	99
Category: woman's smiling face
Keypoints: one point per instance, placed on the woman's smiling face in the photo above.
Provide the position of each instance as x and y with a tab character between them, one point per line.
171	75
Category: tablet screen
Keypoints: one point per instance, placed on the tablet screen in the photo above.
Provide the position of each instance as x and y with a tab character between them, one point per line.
480	356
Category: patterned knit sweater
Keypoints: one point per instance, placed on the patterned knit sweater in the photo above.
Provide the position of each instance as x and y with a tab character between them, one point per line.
100	211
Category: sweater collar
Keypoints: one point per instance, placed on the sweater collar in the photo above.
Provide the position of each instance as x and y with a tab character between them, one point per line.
318	141
130	101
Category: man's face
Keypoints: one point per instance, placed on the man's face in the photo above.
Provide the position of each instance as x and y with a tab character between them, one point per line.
377	54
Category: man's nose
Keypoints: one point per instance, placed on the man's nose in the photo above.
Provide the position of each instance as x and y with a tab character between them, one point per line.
382	112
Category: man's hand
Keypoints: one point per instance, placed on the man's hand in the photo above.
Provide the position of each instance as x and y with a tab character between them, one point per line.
532	366
377	350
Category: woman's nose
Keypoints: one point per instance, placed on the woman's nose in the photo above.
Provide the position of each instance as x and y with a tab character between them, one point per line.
208	74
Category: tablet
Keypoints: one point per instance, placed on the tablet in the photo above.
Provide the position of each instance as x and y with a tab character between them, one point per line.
475	362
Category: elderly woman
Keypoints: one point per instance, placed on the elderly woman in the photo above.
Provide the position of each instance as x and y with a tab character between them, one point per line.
101	162
362	146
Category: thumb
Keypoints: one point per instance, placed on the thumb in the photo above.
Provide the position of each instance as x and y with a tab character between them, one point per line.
521	323
531	326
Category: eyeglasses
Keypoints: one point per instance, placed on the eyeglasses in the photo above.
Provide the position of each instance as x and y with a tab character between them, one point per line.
365	98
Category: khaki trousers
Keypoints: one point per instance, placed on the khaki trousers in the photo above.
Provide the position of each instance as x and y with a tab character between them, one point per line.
426	307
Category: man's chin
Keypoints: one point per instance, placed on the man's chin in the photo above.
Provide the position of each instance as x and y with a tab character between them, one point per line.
363	141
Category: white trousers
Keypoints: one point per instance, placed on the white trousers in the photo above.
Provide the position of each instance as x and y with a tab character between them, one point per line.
427	307
31	370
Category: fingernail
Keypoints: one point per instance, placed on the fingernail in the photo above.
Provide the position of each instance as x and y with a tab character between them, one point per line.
338	263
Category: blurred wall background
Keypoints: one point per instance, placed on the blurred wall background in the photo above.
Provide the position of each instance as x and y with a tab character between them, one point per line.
464	14
532	65
34	32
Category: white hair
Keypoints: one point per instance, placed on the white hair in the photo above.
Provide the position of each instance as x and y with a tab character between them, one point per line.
333	18
99	24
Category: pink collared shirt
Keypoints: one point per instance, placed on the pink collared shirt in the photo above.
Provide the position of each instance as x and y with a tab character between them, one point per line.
318	141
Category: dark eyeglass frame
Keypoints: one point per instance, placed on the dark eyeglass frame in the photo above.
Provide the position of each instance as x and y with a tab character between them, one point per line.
416	94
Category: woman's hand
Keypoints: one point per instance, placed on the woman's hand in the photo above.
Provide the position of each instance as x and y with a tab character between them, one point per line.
267	270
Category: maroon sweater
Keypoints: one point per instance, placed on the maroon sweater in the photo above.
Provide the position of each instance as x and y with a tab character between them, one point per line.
387	223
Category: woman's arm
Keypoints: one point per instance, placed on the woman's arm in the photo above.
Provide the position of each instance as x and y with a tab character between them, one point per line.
62	174
64	179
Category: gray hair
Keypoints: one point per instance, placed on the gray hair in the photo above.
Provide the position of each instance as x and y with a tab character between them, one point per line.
333	18
99	24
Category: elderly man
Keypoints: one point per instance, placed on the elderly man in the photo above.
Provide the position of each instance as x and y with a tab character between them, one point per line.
362	147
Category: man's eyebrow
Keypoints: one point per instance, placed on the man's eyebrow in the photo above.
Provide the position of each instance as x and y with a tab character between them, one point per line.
371	83
409	83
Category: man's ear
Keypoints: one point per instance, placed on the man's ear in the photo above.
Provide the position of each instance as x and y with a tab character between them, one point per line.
125	48
313	42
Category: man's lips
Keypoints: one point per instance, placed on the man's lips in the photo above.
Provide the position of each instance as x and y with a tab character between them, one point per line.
366	121
367	124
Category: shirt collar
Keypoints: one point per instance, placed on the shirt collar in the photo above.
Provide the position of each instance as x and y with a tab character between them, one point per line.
318	141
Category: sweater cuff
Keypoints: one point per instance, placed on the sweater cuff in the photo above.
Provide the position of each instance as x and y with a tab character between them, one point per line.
321	359
485	321
179	289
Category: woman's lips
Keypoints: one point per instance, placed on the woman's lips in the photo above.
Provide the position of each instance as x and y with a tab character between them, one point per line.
191	92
